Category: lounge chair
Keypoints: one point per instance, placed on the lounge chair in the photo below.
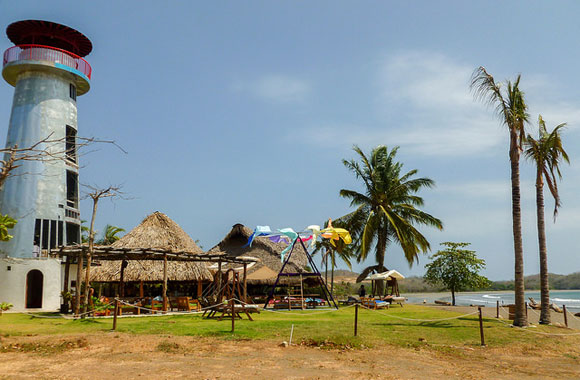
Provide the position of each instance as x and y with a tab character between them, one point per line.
533	304
399	300
373	304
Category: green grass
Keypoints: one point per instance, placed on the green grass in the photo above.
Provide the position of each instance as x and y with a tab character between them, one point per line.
313	328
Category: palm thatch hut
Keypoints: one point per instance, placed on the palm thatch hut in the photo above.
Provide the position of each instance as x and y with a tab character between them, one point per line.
262	275
156	231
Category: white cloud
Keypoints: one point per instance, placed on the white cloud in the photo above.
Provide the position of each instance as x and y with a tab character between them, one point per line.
276	88
486	190
426	106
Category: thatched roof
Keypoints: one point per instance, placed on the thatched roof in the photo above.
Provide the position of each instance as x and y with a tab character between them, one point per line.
262	248
156	231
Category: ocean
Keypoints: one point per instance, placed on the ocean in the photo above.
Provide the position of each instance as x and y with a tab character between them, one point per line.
570	298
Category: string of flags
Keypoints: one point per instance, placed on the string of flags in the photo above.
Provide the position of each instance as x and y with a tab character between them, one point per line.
289	236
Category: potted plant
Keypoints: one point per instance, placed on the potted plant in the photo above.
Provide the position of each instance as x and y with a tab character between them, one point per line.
66	298
5	306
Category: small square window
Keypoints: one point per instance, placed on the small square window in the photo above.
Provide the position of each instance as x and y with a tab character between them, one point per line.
73	92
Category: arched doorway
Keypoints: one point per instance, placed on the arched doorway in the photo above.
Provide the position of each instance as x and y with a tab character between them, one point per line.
34	285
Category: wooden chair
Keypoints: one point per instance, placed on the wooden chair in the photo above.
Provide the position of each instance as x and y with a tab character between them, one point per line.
188	304
157	305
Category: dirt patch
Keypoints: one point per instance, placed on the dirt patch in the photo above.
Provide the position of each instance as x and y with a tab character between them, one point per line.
116	355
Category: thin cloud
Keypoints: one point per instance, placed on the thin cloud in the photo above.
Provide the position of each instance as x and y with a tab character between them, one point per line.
276	88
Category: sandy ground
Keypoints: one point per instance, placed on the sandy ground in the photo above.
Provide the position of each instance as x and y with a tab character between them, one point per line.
115	355
118	355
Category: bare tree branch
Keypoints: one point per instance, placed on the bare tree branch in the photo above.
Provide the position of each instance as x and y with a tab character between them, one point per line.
48	149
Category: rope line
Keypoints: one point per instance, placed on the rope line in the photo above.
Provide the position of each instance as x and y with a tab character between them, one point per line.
45	316
531	331
306	312
420	320
100	308
154	311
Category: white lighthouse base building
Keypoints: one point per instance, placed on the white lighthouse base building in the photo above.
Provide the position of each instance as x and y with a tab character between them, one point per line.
32	284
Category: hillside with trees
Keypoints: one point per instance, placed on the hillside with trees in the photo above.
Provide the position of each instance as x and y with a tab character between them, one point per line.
417	284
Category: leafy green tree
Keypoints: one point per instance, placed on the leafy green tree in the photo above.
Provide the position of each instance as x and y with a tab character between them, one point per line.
546	153
110	235
456	268
387	209
84	232
6	223
511	108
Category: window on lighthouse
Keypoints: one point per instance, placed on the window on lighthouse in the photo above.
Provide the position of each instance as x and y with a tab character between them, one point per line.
73	92
71	144
72	189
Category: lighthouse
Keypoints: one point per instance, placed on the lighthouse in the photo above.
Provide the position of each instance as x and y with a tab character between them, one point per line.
48	72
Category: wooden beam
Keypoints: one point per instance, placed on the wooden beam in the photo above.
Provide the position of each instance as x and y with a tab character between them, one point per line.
141	290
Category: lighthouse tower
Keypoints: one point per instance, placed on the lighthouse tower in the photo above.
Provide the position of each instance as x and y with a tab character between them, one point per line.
48	73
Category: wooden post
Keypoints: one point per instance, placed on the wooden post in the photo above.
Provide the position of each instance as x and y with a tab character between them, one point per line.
565	315
79	283
233	315
115	314
66	273
219	282
141	290
481	326
497	308
122	279
526	304
245	283
355	319
301	293
289	297
66	281
199	289
165	282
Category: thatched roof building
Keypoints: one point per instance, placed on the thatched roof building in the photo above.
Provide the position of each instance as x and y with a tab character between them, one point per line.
265	271
160	232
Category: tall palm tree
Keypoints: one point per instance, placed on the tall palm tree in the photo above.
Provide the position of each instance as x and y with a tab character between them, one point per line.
329	251
110	235
511	108
546	153
386	210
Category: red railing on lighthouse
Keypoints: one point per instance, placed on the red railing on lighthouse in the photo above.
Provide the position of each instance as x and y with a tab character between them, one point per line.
47	53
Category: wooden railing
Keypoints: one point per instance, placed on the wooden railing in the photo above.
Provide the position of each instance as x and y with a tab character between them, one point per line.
47	53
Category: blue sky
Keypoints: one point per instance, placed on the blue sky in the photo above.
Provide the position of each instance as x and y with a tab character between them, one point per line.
242	111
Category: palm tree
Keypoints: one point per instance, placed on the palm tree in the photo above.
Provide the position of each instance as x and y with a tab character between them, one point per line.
329	251
110	235
546	153
512	111
386	211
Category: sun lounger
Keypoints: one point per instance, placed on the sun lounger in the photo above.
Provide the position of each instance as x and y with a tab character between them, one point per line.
373	304
533	304
399	300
